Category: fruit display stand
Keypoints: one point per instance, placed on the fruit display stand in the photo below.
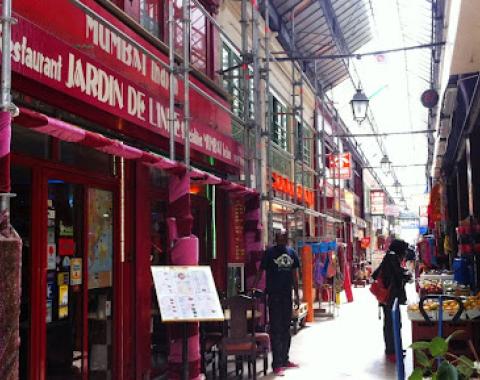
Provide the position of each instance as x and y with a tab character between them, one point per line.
453	316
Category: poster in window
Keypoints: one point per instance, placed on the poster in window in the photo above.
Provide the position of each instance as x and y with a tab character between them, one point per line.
377	202
100	238
62	301
49	311
51	256
66	246
76	271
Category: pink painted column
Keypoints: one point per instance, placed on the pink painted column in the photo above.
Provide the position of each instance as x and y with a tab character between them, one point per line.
5	137
184	251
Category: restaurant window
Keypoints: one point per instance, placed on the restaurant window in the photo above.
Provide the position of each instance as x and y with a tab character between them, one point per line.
304	143
232	81
198	35
151	16
279	123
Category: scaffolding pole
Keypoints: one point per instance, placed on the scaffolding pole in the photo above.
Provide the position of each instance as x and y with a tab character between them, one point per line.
268	126
295	132
256	102
171	58
186	78
246	92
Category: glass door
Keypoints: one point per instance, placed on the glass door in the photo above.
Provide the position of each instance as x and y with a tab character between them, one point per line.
79	276
100	283
64	296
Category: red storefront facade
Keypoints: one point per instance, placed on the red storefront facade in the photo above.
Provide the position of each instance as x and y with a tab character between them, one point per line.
100	213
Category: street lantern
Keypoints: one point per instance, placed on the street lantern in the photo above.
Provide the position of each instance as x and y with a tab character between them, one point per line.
397	185
359	105
385	164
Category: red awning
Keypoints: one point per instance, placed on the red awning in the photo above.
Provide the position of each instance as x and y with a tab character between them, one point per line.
71	133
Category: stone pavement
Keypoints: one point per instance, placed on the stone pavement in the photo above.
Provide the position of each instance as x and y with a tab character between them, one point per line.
349	346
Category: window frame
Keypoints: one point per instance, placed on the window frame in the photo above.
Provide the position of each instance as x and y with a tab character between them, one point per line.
233	85
279	112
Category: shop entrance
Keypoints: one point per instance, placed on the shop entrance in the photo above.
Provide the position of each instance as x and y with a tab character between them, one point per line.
66	222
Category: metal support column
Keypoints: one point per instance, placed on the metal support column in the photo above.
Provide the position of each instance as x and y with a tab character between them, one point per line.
246	92
257	101
468	158
295	131
268	125
186	78
171	56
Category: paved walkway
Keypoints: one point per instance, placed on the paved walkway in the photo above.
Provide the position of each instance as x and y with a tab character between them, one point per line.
347	347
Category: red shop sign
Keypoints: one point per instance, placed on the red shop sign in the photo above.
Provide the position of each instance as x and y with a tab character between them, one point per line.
237	251
104	68
340	165
365	242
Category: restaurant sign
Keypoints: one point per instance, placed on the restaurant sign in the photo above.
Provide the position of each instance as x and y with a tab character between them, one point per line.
340	165
285	186
114	70
377	202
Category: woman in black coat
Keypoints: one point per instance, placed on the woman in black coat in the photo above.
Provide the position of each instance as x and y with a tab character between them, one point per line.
394	277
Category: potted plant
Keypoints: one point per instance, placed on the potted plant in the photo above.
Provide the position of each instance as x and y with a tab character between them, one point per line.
451	367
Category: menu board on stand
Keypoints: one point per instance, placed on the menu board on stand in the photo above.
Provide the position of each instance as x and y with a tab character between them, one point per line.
186	294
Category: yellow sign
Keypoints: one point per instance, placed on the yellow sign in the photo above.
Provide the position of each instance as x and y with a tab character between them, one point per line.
76	271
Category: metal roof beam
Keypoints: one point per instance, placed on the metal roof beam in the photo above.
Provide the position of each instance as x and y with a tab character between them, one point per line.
276	23
334	25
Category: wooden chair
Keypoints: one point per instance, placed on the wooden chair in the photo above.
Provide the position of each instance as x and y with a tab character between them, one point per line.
239	334
210	337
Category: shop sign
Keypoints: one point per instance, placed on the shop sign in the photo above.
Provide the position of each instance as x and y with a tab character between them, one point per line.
360	223
392	210
99	65
285	186
409	223
237	253
377	202
423	211
345	208
365	242
340	165
350	201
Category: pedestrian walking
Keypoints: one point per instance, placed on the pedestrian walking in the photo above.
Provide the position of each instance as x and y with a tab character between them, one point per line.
394	277
281	264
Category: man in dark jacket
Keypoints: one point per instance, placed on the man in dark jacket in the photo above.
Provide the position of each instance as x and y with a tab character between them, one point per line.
394	278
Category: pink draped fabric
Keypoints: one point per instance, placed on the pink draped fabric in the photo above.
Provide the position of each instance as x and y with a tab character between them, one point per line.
62	130
117	148
5	133
204	178
5	137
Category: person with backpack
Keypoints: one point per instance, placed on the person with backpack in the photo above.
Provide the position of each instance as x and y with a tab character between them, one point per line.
281	264
394	277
